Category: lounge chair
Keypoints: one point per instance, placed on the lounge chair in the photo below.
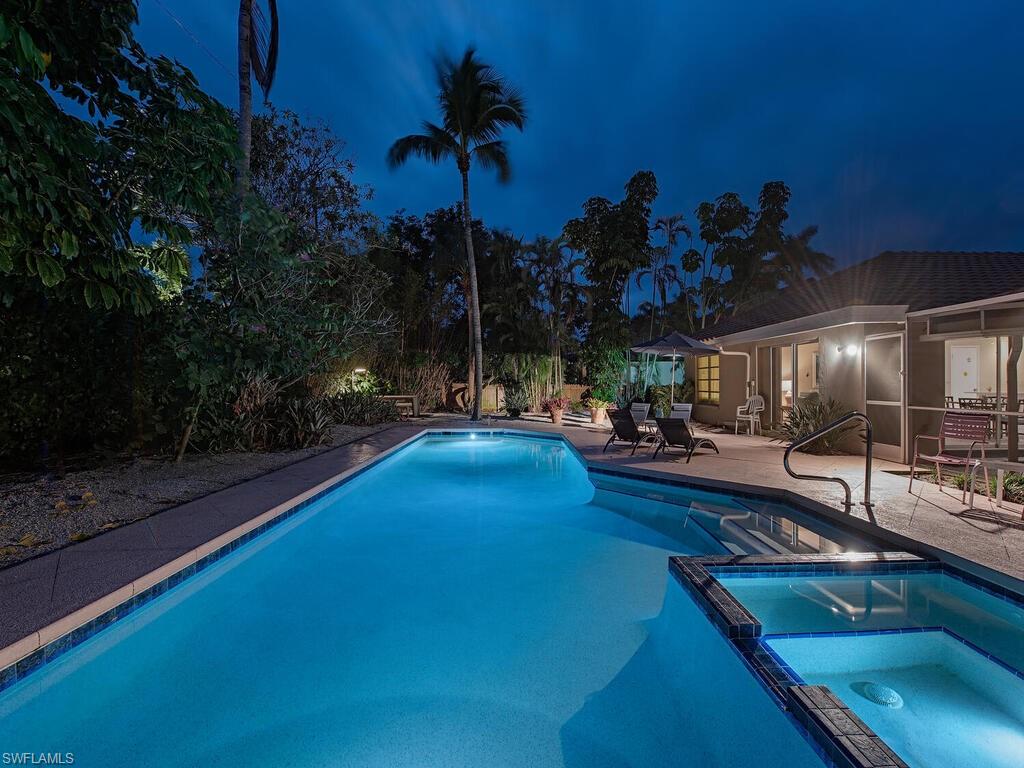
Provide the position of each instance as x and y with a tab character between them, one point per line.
625	430
639	412
674	433
681	411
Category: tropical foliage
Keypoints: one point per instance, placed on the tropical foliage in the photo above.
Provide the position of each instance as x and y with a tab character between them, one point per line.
810	414
176	277
99	143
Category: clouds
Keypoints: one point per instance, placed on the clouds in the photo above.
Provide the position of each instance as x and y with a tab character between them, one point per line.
897	125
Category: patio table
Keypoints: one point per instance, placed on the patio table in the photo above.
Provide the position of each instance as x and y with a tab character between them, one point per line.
1001	466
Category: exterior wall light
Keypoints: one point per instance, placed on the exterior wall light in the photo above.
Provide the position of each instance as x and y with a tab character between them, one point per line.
851	350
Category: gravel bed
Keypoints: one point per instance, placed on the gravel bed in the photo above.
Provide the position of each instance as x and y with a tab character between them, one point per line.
46	513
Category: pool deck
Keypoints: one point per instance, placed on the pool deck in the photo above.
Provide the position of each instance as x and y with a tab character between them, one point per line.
65	585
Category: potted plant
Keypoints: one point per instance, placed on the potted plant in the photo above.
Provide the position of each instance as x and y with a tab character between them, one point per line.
554	406
598	409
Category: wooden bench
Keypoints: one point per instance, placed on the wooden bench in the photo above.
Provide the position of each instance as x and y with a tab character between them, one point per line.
411	402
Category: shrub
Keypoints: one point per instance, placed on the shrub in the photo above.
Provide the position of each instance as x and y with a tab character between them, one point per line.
361	409
304	423
811	413
605	368
660	398
549	404
596	402
517	400
1013	484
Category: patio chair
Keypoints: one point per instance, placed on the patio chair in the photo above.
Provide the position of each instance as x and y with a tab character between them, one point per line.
750	412
956	426
625	430
681	411
972	403
674	433
950	403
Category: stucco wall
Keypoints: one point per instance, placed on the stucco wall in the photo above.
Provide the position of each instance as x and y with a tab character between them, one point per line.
732	392
842	371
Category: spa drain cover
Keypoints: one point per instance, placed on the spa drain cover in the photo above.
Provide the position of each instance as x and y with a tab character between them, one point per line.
879	694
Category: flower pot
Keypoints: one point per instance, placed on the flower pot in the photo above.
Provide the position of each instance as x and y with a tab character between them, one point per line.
556	416
597	415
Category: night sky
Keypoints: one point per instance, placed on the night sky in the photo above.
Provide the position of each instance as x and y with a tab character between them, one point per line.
898	125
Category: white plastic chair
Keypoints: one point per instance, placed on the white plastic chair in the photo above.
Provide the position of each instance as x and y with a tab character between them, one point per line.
681	411
750	413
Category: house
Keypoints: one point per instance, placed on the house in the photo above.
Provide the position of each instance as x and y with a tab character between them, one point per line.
900	336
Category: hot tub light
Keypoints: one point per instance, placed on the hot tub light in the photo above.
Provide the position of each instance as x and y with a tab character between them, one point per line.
472	435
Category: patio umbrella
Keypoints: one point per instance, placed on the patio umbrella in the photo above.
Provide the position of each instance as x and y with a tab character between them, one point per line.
673	345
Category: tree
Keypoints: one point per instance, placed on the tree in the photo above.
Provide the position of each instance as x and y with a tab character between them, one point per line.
300	169
555	268
98	141
747	254
662	271
615	241
476	104
257	57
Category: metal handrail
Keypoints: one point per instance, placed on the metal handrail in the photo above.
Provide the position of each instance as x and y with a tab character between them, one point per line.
852	415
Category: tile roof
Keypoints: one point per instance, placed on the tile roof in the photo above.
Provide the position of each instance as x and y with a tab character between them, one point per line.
917	279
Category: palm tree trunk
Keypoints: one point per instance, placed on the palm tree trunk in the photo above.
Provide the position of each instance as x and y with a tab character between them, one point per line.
654	295
474	308
244	95
703	286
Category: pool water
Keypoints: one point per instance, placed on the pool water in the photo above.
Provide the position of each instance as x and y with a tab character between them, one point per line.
954	707
463	603
846	603
959	707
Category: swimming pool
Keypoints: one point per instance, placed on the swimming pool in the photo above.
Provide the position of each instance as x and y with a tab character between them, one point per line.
465	602
931	662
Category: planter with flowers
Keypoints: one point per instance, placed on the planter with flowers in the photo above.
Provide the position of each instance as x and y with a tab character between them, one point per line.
554	406
598	409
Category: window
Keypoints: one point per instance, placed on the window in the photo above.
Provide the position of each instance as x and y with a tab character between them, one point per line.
707	380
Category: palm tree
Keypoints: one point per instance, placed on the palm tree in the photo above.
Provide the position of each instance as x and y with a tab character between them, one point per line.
476	104
555	269
663	272
257	57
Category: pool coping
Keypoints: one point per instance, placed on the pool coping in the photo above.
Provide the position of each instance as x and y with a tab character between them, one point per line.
838	732
23	656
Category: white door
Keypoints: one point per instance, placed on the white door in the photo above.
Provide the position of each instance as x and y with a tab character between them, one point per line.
883	392
963	371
